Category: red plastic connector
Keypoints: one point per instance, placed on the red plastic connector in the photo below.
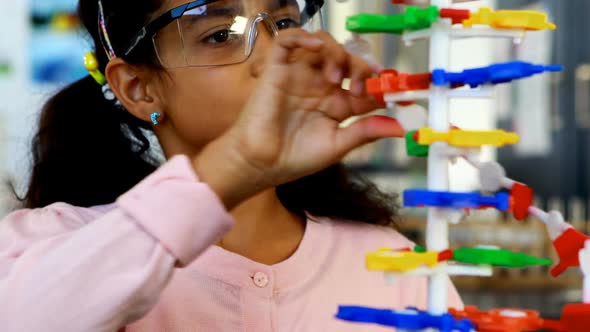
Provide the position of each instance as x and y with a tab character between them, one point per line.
445	255
456	15
406	103
501	320
576	318
568	246
411	2
521	199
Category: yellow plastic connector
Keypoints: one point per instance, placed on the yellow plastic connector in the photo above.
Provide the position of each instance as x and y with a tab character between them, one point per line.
510	19
387	260
468	139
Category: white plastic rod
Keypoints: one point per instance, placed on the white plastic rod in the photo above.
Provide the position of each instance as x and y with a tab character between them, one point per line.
437	228
462	33
553	220
485	92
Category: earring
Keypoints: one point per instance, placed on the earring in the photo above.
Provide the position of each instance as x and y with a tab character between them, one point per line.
155	116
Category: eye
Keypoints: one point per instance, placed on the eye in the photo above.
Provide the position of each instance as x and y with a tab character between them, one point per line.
219	37
287	24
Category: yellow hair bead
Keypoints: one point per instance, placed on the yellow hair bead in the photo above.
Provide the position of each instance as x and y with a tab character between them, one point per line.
91	65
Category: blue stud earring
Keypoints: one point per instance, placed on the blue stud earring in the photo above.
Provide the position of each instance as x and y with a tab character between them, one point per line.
155	116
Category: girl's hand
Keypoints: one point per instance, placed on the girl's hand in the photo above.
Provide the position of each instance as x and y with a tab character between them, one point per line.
290	127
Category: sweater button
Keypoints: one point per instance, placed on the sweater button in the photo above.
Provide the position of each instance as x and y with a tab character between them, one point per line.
260	279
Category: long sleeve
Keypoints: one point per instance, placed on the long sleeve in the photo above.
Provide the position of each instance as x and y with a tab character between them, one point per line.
70	269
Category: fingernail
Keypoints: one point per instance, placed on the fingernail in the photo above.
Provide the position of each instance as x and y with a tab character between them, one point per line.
357	88
336	76
377	68
316	41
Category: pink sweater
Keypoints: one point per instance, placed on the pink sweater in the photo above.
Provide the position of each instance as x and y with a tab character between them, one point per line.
147	263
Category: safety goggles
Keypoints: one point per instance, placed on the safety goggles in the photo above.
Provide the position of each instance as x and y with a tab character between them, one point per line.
206	33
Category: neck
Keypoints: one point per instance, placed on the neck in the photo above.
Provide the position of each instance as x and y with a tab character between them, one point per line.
265	231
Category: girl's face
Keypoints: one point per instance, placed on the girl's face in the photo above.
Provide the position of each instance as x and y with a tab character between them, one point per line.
200	102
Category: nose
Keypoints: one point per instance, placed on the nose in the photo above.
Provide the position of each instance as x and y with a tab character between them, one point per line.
265	36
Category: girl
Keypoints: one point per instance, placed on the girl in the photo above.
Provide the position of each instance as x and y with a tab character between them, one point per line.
251	224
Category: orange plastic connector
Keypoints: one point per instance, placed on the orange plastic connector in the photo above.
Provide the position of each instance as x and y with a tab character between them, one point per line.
390	81
501	320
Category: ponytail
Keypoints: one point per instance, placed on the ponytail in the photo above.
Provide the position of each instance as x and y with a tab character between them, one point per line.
87	151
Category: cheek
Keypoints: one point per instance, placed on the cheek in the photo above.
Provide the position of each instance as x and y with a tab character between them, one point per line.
203	103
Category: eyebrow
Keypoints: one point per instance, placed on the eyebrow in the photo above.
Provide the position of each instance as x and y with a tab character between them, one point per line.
284	3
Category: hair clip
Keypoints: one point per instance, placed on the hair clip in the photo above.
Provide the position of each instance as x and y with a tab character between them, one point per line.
108	93
91	65
110	96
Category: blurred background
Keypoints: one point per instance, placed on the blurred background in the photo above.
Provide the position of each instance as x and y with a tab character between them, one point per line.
41	49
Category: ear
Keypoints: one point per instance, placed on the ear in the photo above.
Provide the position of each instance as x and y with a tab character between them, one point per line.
136	89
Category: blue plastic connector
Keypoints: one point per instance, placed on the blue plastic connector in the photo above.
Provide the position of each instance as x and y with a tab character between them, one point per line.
409	319
494	74
425	198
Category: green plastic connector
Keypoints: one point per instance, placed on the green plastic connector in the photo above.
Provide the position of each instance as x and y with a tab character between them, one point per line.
413	148
420	249
497	257
421	18
370	23
413	19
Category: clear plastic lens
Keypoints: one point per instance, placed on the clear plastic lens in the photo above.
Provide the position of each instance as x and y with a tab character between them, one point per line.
223	32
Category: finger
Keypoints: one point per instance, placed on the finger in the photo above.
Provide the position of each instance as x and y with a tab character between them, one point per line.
342	105
338	106
366	130
335	57
360	70
293	39
362	105
377	68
